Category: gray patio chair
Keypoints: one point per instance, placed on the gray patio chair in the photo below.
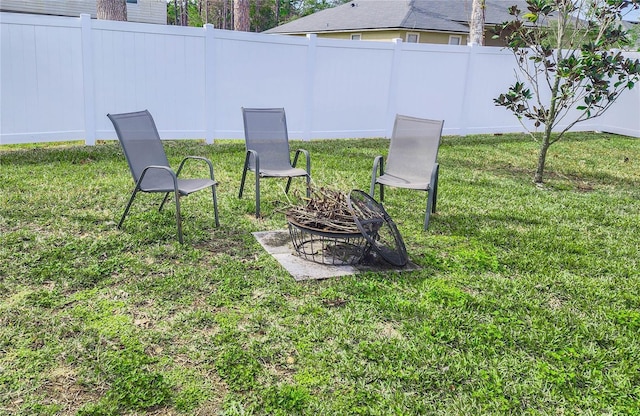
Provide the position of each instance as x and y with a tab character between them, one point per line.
268	153
412	160
150	167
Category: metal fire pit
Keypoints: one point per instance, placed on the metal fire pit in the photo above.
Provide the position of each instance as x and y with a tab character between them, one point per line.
333	248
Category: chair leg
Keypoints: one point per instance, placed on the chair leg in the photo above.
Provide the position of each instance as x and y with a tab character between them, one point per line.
257	194
430	207
435	199
126	210
372	190
434	186
178	217
378	170
308	165
432	195
286	189
164	201
215	204
244	176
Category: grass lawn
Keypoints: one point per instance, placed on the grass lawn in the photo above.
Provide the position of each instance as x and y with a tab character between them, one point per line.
527	300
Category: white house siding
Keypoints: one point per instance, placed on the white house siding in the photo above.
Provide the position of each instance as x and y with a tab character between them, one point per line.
144	11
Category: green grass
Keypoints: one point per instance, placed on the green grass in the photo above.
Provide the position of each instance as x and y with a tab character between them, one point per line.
527	300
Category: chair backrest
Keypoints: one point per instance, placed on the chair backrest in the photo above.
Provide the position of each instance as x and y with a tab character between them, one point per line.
413	151
265	131
140	142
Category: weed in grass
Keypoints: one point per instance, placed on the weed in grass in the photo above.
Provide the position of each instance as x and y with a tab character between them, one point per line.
238	368
286	400
134	386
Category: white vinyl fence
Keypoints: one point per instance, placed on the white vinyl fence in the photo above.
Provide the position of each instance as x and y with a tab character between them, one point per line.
60	76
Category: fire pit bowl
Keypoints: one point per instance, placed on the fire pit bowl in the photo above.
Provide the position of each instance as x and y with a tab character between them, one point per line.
324	247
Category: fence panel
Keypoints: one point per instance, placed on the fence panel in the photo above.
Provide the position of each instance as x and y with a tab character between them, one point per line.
164	73
624	115
351	88
40	79
59	77
258	71
432	83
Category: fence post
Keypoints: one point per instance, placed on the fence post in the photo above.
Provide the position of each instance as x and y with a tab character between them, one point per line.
312	39
392	98
210	82
87	80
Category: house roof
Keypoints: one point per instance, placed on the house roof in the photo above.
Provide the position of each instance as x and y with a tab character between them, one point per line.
422	15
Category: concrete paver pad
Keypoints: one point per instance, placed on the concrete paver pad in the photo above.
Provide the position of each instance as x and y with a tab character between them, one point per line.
278	244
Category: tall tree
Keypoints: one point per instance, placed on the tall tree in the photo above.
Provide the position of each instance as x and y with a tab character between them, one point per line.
569	69
476	23
111	9
184	13
262	14
241	20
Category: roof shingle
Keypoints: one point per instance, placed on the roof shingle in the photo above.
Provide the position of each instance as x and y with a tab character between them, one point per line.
431	15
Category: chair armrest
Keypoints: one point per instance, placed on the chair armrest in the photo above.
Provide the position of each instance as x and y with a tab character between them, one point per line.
204	159
174	177
308	160
378	166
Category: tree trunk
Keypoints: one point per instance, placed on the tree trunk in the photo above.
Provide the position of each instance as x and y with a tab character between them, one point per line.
542	158
111	10
549	121
476	23
185	13
224	14
241	15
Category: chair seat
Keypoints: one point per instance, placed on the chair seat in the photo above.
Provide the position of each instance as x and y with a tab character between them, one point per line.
185	186
282	173
408	183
